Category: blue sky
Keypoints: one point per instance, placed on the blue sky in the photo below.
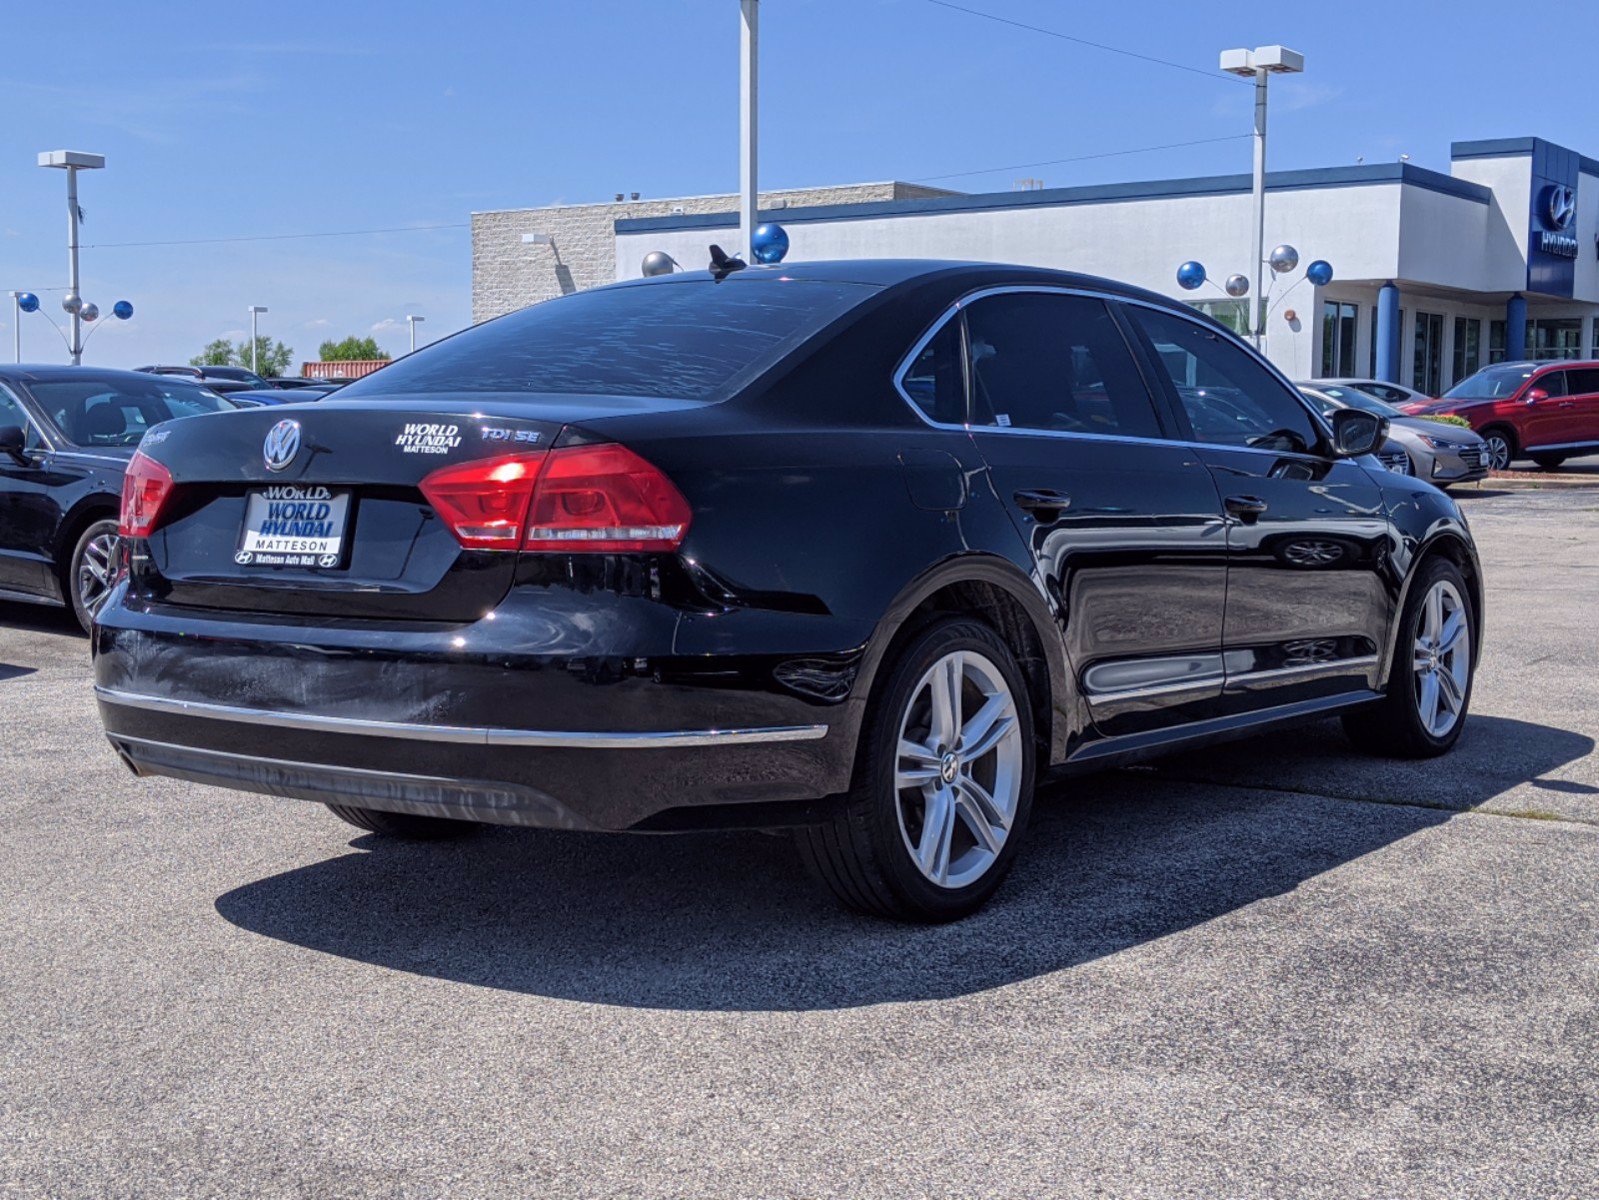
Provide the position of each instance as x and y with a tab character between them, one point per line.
224	121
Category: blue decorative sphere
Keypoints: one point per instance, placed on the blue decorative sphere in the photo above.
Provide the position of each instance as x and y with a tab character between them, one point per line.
1190	275
122	310
1319	272
28	302
769	243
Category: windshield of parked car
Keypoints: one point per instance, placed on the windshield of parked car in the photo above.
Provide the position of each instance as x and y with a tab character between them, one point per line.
689	340
101	410
1492	383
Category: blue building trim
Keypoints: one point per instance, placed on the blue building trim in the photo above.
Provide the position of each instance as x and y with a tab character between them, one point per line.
1513	147
1161	189
1516	328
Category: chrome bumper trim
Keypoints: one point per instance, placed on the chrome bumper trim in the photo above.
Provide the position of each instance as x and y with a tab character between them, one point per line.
463	735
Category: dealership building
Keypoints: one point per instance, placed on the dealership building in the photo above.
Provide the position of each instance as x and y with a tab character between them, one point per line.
1434	274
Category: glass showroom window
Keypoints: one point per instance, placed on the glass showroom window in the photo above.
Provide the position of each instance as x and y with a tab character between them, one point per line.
1468	347
1555	338
1429	362
1498	334
1338	339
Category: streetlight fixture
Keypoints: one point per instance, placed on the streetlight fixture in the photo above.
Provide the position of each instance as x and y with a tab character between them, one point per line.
1261	64
411	320
73	161
255	311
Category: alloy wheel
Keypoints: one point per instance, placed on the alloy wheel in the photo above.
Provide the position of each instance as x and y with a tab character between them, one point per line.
1442	658
94	571
958	774
1498	451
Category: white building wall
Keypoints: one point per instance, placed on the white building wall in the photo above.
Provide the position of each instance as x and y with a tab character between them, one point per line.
1140	242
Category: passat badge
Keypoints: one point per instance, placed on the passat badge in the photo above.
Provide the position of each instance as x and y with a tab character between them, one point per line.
281	445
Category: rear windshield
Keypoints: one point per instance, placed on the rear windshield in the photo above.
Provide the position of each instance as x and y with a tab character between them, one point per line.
692	340
116	411
1492	383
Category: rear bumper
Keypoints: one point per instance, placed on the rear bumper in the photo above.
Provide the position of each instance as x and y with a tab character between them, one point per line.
478	722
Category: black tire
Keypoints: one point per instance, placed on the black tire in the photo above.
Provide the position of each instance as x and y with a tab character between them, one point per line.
85	581
403	825
861	854
1394	727
1549	462
1500	460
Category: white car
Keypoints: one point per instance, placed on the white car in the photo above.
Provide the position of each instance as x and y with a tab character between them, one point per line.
1390	393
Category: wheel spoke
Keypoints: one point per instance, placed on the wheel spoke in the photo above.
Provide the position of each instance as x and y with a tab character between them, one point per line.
1454	629
1449	691
938	831
990	724
948	677
986	807
1429	700
922	756
1435	615
972	816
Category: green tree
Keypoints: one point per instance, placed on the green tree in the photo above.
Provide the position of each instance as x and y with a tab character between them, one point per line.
351	349
216	354
271	358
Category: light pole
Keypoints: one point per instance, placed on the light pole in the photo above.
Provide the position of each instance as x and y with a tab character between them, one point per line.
748	111
412	320
1260	64
73	161
16	326
255	311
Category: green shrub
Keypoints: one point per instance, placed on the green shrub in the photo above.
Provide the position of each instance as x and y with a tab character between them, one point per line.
1461	421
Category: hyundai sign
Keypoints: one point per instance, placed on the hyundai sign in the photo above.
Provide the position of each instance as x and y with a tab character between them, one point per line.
1552	224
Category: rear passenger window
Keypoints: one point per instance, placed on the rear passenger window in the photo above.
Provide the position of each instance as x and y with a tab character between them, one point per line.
1047	361
1230	397
1583	381
933	379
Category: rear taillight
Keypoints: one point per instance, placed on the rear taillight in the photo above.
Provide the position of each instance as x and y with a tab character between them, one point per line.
145	488
485	503
593	499
605	499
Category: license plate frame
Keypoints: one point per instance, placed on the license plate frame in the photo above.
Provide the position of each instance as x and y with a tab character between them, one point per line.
303	526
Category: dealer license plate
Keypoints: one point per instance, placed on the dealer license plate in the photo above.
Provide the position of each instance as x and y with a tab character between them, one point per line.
293	525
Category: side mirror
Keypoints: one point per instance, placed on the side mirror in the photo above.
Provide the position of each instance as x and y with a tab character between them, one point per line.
14	442
1536	394
1356	432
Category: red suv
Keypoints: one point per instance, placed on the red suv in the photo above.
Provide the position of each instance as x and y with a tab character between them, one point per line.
1543	411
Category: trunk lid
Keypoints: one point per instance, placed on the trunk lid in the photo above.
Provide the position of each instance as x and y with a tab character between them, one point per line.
336	524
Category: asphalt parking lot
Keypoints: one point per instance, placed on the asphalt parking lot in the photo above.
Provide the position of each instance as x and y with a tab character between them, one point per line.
1273	969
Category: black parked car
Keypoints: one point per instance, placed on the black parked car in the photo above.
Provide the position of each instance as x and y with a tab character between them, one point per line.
66	434
860	549
219	379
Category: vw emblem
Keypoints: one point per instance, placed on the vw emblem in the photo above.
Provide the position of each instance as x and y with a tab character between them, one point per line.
1560	207
281	445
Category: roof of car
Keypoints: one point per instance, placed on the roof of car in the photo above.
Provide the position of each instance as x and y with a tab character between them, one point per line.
886	272
42	372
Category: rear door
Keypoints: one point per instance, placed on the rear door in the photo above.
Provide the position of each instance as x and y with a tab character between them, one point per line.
1308	535
1123	523
27	510
1582	384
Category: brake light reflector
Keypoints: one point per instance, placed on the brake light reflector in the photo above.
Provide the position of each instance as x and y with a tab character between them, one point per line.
145	488
605	499
485	503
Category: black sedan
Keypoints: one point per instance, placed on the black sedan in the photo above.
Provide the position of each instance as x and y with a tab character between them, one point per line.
66	434
859	549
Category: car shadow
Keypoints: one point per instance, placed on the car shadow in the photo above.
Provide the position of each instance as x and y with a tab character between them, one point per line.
39	618
730	922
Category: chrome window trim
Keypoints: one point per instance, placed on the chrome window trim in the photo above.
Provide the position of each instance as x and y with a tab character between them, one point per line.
461	734
969	298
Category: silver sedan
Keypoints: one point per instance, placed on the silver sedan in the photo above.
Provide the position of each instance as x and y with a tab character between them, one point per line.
1431	450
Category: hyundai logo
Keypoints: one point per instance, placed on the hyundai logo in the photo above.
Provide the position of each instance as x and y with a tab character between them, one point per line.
281	445
1559	206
